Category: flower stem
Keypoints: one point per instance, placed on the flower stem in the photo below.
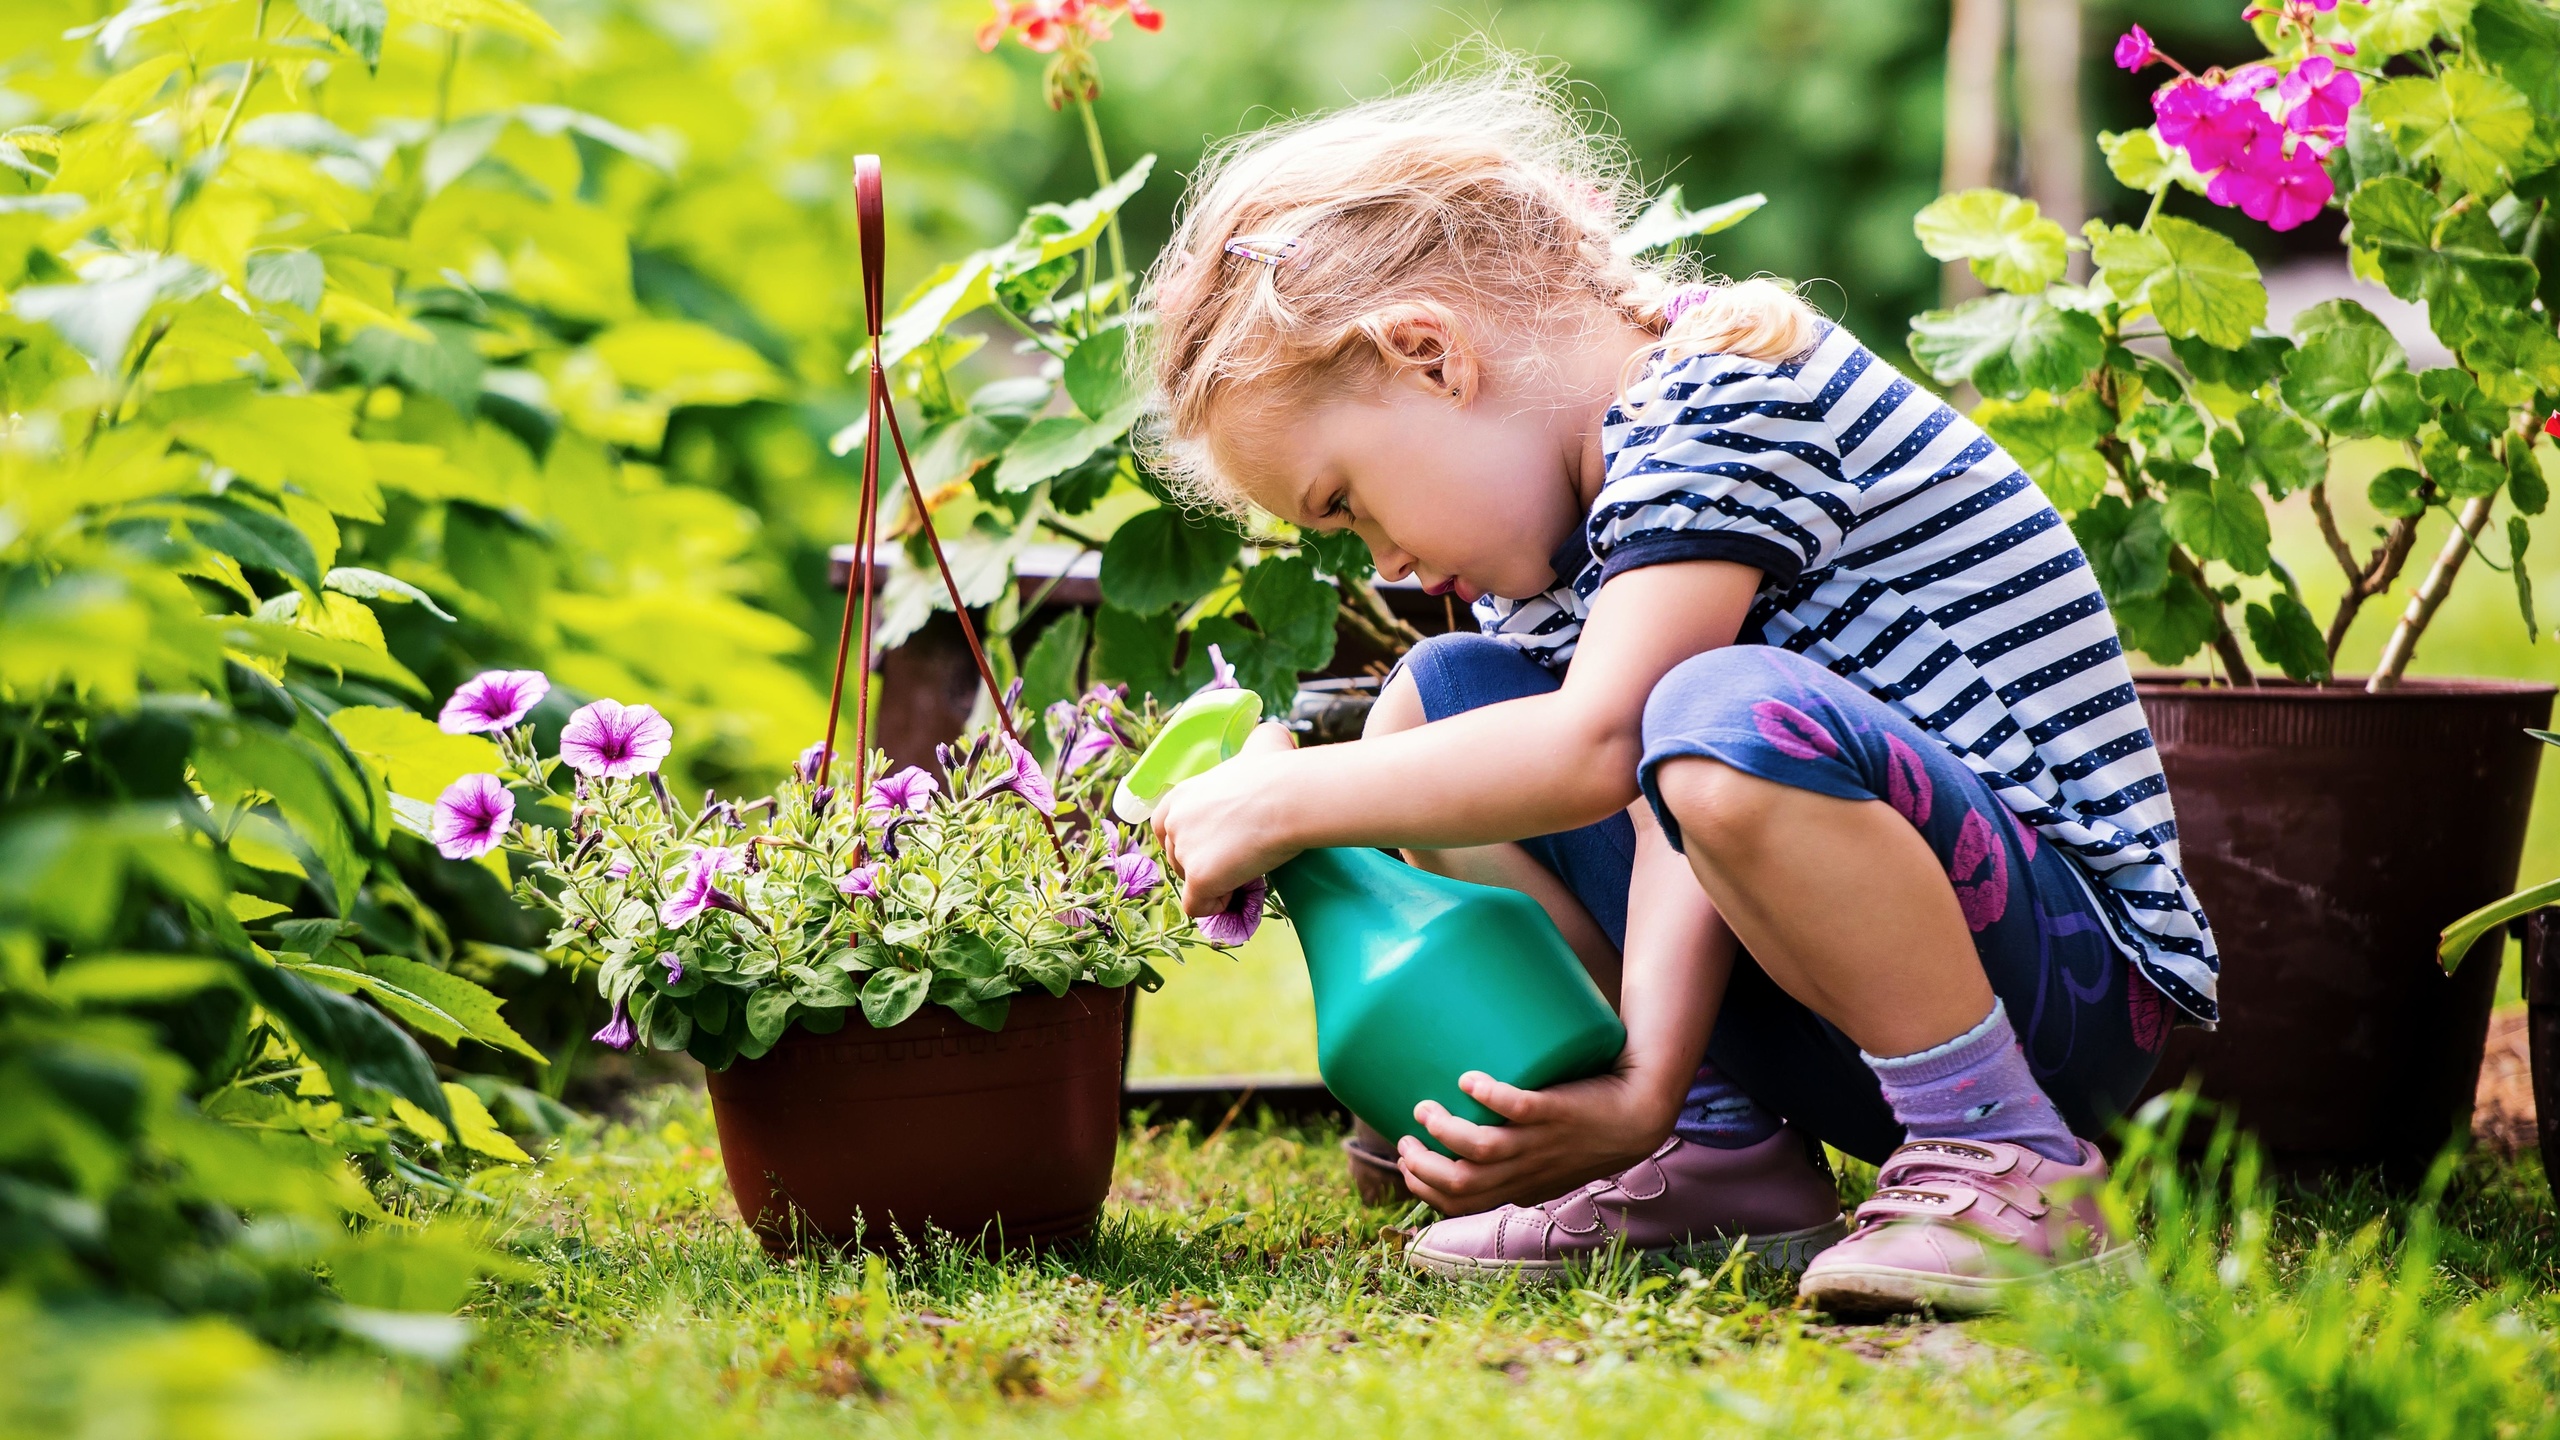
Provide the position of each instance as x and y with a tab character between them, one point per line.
2430	594
1102	174
248	79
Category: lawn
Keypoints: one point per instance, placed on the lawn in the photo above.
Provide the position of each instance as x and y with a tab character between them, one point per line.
1239	1287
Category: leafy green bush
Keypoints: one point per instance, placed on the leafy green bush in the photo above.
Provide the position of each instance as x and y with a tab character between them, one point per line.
2156	411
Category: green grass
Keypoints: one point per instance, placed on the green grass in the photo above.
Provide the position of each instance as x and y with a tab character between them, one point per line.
1238	1287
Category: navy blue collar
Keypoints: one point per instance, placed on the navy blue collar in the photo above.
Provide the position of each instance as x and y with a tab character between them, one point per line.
1571	556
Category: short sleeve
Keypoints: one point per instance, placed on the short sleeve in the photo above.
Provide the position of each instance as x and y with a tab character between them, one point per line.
1727	459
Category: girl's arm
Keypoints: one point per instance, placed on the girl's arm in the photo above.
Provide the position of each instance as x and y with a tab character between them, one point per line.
1678	956
1524	767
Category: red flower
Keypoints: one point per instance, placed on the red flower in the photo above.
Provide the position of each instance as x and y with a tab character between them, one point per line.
2551	426
1045	26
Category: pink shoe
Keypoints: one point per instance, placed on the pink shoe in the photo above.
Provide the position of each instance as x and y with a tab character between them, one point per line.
1684	1201
1953	1223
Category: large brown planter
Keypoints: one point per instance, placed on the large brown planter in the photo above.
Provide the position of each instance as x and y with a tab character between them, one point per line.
2331	834
2542	1032
876	1136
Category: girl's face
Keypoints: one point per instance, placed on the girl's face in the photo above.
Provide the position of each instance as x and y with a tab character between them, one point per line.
1448	479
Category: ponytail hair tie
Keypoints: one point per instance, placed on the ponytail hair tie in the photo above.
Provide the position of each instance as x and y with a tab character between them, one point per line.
1682	301
1267	249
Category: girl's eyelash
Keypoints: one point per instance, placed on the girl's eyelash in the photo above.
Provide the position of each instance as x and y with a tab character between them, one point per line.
1340	507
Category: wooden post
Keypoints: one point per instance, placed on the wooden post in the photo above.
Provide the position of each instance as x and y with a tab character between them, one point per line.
2052	147
1977	34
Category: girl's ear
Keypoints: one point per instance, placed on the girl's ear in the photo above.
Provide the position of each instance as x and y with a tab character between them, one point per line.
1424	345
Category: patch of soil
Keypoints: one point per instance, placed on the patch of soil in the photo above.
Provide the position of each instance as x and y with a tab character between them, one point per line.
2502	1119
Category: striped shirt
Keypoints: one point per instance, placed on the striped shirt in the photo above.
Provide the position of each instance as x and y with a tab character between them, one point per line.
1901	548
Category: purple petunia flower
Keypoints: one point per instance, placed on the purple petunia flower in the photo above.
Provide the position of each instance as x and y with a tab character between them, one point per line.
1075	917
812	760
619	869
472	816
1091	744
910	790
697	893
492	700
1138	873
1222	676
617	1031
615	740
1025	779
675	966
1243	915
862	880
2135	50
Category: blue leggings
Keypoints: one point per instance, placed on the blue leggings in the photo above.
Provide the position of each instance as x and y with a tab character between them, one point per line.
2091	1026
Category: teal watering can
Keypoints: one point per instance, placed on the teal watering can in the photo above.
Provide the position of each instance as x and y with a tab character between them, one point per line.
1418	978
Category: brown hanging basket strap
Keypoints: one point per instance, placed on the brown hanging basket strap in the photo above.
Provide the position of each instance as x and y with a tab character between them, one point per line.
871	226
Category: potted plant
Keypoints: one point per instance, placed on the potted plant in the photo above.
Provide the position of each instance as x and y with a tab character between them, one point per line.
2535	913
2331	827
908	986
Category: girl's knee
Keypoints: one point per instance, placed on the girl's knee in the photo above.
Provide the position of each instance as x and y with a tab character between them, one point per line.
1399	707
1461	671
1713	806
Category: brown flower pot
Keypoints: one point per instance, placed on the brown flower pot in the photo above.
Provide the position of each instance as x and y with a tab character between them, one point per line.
875	1136
2331	834
2542	1032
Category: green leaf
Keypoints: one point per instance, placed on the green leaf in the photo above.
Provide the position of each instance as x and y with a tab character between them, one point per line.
1340	553
890	996
2384	28
286	277
2527	487
277	440
1294	608
2468	417
1667	222
2520	39
2289	639
1049	671
2007	345
2350	376
138	979
2223	521
252	536
2197	283
374	585
469	1005
2518	537
357	22
2127	546
2397	493
1136	650
2269	450
2473	126
2242	370
2461	273
2514	355
1097	375
2167	429
1165	557
2170	626
353	1043
2141	161
2458	937
1050	447
2056	444
2007	241
768	1013
237	761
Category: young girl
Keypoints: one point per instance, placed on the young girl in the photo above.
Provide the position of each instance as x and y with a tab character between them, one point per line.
1778	649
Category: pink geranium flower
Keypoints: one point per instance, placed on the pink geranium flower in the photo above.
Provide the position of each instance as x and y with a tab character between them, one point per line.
1243	915
697	894
472	816
615	740
492	700
2135	50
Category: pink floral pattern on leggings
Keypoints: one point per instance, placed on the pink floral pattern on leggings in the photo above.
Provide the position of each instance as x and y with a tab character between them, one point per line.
1980	870
1794	733
2145	1010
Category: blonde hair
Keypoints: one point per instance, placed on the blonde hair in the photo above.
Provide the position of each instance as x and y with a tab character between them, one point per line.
1478	195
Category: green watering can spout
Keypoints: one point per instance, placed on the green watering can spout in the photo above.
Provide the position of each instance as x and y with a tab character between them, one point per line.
1418	978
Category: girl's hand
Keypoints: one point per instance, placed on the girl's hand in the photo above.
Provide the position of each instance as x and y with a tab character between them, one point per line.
1224	828
1558	1138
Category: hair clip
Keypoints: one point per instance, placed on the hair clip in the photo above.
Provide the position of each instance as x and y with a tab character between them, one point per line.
1268	249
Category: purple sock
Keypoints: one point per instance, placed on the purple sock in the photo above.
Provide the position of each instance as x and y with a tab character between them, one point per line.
1975	1087
1719	1116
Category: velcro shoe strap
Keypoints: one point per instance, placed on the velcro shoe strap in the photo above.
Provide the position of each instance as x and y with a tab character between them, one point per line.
1926	1202
1943	1156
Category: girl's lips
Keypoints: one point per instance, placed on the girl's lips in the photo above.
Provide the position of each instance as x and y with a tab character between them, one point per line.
1441	587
